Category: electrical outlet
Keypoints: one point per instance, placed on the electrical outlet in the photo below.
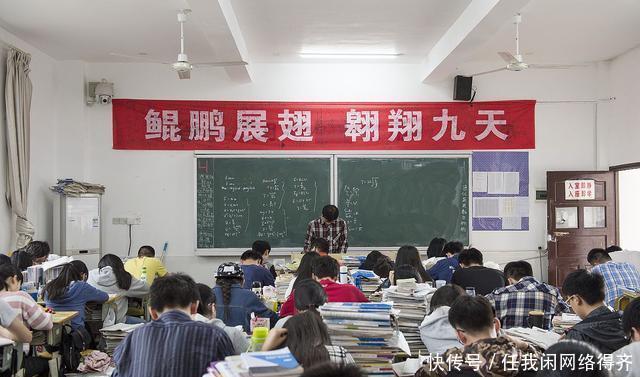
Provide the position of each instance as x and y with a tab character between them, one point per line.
119	221
134	220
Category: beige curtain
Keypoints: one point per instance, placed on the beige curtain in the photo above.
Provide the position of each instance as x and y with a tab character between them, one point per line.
18	109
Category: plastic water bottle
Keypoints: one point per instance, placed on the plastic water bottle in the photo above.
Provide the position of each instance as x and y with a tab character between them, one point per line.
256	287
258	338
143	276
343	275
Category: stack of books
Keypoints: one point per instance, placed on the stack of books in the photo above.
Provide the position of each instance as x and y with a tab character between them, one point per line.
368	282
353	261
282	283
412	302
366	331
564	323
278	363
114	335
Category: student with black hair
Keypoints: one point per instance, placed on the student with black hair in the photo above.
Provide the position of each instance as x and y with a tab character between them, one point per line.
405	271
436	246
600	326
617	275
320	246
473	274
329	227
631	352
444	268
581	352
70	292
234	304
264	249
35	252
251	264
206	313
21	259
435	330
308	294
172	344
371	260
613	249
408	254
477	328
304	271
525	294
146	266
111	277
4	259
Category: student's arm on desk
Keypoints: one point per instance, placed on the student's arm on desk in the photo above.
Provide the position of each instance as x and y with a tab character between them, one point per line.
92	294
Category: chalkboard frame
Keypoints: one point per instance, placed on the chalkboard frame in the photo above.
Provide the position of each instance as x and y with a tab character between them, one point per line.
237	251
333	156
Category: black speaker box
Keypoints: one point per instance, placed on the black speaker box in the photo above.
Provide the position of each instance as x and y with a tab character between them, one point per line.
462	88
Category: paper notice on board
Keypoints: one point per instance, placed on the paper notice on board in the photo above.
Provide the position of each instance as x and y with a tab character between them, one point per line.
480	181
511	223
486	207
495	184
511	182
513	207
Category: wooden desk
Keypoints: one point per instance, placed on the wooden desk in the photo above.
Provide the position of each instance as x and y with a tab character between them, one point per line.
54	336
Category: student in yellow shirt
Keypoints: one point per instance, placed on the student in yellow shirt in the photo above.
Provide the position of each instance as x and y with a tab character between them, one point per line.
146	266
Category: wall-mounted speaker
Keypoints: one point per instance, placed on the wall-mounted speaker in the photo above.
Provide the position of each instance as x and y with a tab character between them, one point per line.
462	88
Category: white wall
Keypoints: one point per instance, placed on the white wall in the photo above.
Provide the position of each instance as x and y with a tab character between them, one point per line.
43	142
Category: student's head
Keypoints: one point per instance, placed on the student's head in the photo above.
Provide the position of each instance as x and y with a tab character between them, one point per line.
333	370
38	250
371	260
4	259
73	271
320	246
584	291
473	318
445	296
251	257
206	305
631	320
514	271
435	247
598	256
326	268
309	295
146	251
470	257
172	292
123	278
262	247
10	278
228	275
452	248
408	254
21	259
330	213
406	271
305	268
307	336
383	267
613	249
572	350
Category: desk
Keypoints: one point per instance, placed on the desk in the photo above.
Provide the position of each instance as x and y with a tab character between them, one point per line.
54	336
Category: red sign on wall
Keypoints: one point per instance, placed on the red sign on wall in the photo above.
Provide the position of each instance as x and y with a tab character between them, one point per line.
221	125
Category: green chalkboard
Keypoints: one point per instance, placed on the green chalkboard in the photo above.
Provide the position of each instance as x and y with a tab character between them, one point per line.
240	200
397	201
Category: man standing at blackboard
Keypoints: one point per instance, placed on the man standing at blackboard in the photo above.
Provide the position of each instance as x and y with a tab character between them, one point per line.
329	227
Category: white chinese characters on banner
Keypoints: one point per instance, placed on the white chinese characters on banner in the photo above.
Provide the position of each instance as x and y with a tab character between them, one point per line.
491	122
363	124
205	124
252	124
165	127
406	123
444	120
295	125
580	189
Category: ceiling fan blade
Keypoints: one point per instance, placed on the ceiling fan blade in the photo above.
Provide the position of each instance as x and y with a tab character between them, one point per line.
487	72
134	57
556	66
184	75
507	57
220	64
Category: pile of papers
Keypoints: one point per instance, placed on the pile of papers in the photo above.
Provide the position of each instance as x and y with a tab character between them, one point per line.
257	364
412	302
368	282
115	334
564	323
282	283
366	331
69	187
353	261
537	336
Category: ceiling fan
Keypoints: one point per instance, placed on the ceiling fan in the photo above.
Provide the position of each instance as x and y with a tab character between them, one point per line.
516	63
182	66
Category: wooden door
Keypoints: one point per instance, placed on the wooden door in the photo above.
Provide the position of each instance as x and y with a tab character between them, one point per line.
576	225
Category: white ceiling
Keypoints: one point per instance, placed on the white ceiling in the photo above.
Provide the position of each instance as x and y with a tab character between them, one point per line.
275	31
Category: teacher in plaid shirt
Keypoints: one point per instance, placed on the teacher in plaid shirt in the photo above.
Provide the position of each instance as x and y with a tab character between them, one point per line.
617	276
329	227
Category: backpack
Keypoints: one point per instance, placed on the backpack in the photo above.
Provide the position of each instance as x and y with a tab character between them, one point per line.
73	342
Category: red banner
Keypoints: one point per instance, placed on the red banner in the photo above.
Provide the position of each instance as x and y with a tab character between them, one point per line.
221	125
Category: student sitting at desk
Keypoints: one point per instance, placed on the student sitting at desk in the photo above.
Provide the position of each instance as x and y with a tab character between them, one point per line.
251	265
409	255
264	249
11	326
305	271
146	266
36	252
70	292
111	277
234	304
32	314
172	344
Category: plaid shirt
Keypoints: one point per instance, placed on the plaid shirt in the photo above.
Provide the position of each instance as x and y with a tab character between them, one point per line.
335	232
339	355
616	277
514	302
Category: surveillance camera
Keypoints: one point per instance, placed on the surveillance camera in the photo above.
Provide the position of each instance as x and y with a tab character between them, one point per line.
104	92
104	99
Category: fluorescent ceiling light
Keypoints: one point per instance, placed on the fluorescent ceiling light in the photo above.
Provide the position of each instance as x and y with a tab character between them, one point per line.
316	55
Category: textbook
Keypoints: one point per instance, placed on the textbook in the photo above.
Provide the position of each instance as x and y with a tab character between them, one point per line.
275	363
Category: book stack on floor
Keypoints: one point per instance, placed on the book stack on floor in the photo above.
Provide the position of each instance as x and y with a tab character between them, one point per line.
366	331
114	335
412	302
278	363
368	282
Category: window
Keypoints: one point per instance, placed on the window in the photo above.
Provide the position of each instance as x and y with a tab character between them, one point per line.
629	208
